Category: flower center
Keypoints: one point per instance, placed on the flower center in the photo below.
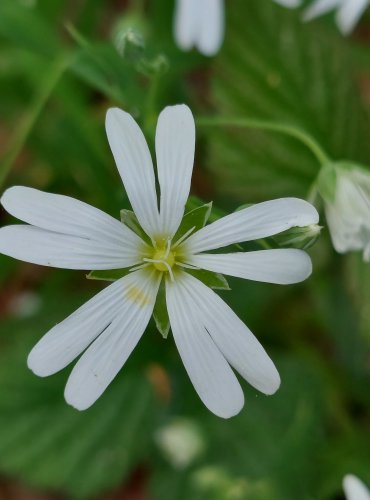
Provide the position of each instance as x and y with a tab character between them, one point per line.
163	260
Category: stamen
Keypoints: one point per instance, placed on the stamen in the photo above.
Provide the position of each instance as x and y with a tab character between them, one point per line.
169	271
163	262
141	266
183	237
154	261
188	266
167	249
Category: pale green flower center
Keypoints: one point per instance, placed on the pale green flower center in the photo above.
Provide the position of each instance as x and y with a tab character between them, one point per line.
163	259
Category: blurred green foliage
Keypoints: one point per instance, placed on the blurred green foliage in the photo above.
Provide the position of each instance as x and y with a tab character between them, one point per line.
60	72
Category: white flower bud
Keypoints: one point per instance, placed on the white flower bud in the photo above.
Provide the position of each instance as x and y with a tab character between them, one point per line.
345	189
299	237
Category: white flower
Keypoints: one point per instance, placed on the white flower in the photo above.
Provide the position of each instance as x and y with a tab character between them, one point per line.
200	24
355	489
67	233
347	15
289	3
181	441
346	193
348	12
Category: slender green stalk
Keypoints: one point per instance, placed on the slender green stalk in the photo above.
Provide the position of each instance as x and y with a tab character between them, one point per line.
150	114
290	130
30	117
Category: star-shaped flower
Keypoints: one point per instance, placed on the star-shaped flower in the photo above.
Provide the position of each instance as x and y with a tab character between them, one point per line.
66	233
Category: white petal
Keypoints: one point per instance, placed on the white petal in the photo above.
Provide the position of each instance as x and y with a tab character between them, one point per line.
289	3
211	375
35	245
355	489
66	215
186	24
175	145
258	221
63	343
319	8
350	13
281	266
98	366
211	26
344	233
135	166
348	217
237	343
366	254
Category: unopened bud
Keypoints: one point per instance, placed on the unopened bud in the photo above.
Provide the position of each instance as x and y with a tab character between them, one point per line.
299	237
129	43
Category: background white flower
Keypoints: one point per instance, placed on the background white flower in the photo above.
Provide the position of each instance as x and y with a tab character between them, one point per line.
355	489
199	24
348	12
346	193
67	233
289	3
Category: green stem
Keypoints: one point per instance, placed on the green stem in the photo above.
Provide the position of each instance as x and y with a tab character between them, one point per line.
29	119
306	139
150	114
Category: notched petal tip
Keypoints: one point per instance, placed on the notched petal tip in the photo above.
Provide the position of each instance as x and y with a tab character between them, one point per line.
268	382
177	109
7	194
14	195
273	385
35	363
114	114
230	412
231	406
303	263
76	399
306	213
76	404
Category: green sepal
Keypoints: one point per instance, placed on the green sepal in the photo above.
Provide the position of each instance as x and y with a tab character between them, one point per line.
160	313
327	182
195	202
216	281
298	237
129	218
108	275
196	218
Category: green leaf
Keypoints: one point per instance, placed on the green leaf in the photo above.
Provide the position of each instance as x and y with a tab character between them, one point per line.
129	218
25	28
160	312
49	445
216	281
253	81
196	218
241	459
108	275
